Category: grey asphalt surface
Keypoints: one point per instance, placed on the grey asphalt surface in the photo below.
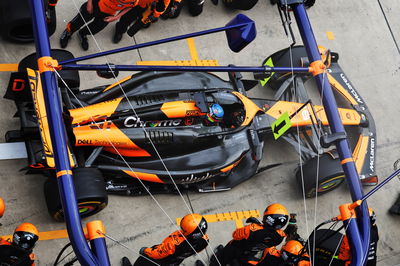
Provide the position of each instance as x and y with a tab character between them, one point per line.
369	57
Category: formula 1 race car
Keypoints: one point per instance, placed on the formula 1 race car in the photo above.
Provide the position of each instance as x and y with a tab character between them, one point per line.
159	131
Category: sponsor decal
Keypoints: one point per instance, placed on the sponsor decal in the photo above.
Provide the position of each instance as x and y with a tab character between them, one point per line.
18	85
351	89
106	125
270	220
305	114
115	143
372	155
196	178
85	141
282	219
133	121
192	113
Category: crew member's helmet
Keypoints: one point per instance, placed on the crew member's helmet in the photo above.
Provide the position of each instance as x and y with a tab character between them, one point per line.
293	251
2	207
25	236
276	216
194	226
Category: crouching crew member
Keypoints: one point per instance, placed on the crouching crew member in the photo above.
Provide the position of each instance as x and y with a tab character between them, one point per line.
99	13
20	250
344	250
292	253
179	245
250	241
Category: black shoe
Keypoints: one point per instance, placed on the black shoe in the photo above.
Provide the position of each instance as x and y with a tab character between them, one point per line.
84	41
65	36
195	7
117	37
125	262
199	263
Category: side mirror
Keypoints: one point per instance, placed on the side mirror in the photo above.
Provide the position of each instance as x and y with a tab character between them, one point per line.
108	73
239	37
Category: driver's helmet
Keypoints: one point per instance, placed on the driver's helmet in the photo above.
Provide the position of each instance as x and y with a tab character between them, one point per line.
216	113
276	216
194	226
2	207
292	252
25	236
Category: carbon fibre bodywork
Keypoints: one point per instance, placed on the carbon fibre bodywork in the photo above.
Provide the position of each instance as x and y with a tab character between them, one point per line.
117	131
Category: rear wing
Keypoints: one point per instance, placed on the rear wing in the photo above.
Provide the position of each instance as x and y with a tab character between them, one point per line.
364	148
364	153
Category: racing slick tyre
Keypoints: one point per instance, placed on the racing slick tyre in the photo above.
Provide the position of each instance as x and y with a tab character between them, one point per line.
326	244
71	77
17	21
331	175
90	190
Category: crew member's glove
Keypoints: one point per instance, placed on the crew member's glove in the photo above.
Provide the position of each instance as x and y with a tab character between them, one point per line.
141	251
292	219
137	26
291	230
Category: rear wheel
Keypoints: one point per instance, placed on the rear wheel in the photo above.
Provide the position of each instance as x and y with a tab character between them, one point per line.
71	77
326	245
330	176
17	21
90	190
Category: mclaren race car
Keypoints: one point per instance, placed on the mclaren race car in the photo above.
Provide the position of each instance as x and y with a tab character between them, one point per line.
159	131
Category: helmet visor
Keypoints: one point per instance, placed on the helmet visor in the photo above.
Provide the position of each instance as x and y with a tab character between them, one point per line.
277	221
24	240
289	258
200	230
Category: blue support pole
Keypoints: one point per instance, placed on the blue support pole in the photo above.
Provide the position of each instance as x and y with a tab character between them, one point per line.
336	126
59	140
147	44
100	249
384	182
185	68
353	236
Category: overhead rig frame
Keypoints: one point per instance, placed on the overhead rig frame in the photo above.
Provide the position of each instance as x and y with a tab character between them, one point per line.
358	228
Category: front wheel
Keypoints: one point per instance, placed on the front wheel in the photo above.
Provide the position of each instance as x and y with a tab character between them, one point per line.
330	176
90	190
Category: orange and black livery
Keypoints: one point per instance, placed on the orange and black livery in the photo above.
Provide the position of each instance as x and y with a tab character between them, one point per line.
193	129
